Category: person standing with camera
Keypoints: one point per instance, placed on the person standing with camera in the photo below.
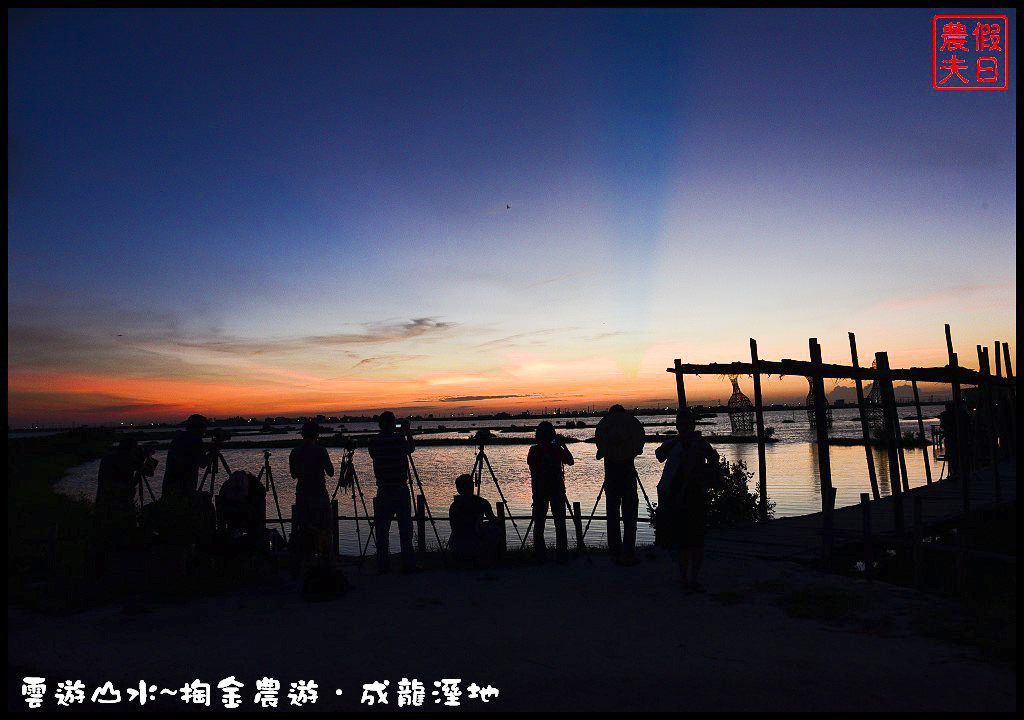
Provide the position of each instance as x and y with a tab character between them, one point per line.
691	468
310	464
120	472
547	480
185	518
186	455
620	438
390	450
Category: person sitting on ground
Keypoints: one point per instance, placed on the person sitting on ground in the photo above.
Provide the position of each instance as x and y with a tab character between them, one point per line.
475	534
310	464
547	479
620	438
390	452
242	510
682	496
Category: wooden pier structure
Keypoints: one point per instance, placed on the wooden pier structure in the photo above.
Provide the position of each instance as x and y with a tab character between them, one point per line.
816	535
906	515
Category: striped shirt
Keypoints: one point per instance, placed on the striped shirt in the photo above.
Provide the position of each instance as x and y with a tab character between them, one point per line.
389	451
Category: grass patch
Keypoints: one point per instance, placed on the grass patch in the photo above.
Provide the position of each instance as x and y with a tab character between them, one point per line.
822	603
728	597
989	626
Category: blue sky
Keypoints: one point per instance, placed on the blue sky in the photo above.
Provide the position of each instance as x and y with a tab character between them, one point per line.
193	190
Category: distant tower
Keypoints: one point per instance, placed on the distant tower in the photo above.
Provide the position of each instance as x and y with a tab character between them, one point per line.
741	410
872	409
810	406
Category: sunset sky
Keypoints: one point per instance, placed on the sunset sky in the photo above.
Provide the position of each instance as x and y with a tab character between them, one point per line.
277	212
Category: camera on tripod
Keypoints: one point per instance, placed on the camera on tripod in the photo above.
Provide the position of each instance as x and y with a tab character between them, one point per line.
483	436
145	463
220	436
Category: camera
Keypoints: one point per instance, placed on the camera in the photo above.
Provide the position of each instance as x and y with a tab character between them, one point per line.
219	436
144	460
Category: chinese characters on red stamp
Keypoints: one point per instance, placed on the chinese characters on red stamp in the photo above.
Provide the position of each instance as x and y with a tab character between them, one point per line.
970	52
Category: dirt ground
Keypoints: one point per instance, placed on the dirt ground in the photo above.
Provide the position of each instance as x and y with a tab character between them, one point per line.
586	636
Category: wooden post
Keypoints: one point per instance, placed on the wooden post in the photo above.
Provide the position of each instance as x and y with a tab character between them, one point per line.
421	524
335	534
865	514
958	444
680	387
762	481
990	420
503	537
864	428
920	429
821	435
577	521
918	537
891	436
999	401
899	447
1011	400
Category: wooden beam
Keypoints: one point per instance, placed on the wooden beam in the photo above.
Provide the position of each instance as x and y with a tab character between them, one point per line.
803	368
680	388
920	429
864	429
958	449
762	482
1011	400
828	495
892	436
988	406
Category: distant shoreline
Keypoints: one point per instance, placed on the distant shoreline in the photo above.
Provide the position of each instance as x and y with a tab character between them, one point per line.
241	421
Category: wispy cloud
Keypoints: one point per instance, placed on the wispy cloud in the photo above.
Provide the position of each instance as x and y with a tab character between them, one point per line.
372	333
519	338
473	398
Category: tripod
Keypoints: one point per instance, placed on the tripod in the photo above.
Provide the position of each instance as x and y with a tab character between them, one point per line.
478	473
141	479
411	471
211	471
581	546
265	470
650	508
572	516
347	478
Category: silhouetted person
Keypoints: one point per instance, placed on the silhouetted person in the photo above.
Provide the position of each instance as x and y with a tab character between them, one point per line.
115	494
620	438
116	481
186	517
956	452
186	455
310	465
242	509
390	451
682	495
475	532
547	480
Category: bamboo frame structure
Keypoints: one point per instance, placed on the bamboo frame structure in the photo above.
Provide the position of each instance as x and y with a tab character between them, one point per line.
882	376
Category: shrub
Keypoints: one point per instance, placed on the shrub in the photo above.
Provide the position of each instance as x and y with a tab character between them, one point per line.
732	502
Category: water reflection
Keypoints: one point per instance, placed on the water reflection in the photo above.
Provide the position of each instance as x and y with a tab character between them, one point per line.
792	478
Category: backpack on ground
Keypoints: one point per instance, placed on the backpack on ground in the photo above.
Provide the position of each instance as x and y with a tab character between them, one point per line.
324	582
